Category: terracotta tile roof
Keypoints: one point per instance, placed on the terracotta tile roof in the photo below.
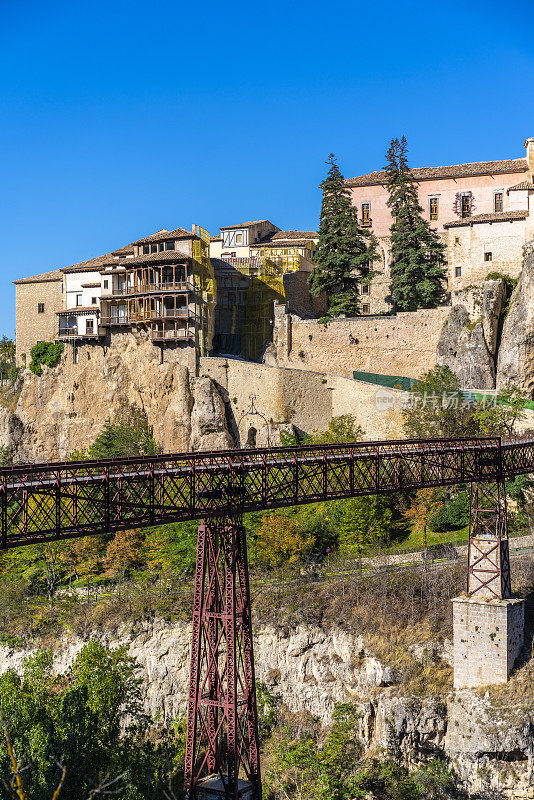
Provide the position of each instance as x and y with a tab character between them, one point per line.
163	235
215	238
295	235
519	186
246	225
454	171
123	251
93	264
164	257
43	277
500	216
79	310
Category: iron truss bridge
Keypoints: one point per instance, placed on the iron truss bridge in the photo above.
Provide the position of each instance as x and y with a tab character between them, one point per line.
51	501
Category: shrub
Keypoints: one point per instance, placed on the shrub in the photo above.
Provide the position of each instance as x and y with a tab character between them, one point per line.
452	515
45	353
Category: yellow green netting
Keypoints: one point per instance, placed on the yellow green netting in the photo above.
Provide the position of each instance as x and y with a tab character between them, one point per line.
266	286
205	291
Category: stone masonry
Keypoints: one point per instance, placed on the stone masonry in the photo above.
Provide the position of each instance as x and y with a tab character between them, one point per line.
38	299
488	637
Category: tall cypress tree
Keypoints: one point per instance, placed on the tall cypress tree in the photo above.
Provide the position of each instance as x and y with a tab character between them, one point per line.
345	251
418	274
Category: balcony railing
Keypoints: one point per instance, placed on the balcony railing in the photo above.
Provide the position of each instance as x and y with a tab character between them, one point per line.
166	336
146	288
107	320
73	333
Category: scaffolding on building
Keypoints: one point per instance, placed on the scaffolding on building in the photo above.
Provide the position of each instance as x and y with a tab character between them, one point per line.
205	291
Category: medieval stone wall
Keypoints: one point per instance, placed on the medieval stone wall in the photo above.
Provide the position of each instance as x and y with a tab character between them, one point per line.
401	345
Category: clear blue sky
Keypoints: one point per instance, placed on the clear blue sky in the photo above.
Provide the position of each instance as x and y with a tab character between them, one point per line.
119	118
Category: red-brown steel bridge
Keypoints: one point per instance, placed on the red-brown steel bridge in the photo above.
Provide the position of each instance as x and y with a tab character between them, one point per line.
61	500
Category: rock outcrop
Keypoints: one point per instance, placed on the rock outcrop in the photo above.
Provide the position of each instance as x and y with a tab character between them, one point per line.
66	407
209	430
468	342
516	353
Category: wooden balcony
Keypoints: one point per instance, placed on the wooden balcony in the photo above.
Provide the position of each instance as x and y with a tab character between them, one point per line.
146	288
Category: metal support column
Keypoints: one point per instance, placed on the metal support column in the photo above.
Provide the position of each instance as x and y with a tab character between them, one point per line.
488	574
222	748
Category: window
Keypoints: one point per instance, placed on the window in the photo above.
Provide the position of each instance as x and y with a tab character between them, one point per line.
78	299
40	308
105	284
146	249
365	288
366	215
433	206
456	240
466	205
458	272
153	248
169	245
93	301
497	201
239	238
89	326
366	308
488	256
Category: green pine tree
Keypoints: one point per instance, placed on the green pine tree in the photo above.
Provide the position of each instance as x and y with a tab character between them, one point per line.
418	262
345	251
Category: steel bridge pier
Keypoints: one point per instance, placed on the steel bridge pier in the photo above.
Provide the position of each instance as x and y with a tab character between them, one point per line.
222	745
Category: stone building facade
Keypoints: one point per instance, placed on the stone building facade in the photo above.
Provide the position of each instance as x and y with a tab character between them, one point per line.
188	292
38	300
483	211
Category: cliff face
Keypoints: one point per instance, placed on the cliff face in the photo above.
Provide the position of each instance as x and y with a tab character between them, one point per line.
309	669
516	353
468	341
66	407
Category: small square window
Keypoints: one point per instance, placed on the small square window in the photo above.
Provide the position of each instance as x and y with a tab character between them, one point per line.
456	240
238	238
433	208
153	248
78	299
497	201
40	308
366	308
458	272
488	256
161	246
365	288
146	249
105	284
169	245
93	301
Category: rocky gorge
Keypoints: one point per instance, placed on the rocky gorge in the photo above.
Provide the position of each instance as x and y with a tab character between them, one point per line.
308	669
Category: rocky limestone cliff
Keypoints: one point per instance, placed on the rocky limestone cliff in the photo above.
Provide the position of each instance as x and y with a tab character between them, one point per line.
66	407
468	342
516	353
309	669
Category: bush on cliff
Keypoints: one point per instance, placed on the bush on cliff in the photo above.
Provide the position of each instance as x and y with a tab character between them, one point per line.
47	353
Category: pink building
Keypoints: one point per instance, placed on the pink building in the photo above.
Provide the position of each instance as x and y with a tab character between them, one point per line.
484	212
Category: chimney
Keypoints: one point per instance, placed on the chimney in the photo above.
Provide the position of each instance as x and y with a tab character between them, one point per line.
529	144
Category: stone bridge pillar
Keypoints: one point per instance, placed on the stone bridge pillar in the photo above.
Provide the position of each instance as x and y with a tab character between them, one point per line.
488	624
